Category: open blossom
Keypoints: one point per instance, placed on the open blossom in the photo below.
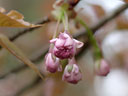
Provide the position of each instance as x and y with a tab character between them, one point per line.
72	74
65	46
102	68
52	64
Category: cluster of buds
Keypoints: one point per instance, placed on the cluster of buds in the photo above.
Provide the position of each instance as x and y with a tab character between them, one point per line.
64	47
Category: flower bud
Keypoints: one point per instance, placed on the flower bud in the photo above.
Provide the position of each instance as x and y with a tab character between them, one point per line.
102	68
52	64
65	46
72	74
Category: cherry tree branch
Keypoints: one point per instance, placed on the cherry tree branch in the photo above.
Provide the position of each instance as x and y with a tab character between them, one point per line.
43	21
115	14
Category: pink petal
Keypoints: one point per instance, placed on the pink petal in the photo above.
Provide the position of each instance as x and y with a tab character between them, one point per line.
69	42
76	68
59	43
53	40
49	59
78	43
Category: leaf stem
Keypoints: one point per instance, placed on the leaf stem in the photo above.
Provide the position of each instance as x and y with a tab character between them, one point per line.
97	52
56	29
55	33
65	20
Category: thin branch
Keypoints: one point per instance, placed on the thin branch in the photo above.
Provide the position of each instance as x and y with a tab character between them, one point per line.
105	20
113	16
37	59
43	21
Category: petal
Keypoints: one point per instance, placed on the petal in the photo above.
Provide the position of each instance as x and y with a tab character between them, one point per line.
60	43
78	77
75	69
69	42
72	77
55	49
51	65
53	40
66	35
63	36
104	67
49	60
78	43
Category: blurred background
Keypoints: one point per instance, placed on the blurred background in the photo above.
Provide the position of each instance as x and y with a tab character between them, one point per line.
18	80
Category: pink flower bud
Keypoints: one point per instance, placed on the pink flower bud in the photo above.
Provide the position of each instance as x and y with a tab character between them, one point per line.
102	68
52	64
72	74
65	46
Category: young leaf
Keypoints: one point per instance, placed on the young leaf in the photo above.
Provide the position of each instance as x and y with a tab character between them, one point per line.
12	48
13	19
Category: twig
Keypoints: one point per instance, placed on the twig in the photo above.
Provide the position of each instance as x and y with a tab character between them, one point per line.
37	59
43	21
105	20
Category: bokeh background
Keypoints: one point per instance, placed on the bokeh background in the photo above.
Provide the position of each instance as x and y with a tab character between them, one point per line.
18	80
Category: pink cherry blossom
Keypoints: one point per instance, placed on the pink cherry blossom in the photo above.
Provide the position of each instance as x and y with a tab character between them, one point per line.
52	64
65	46
102	68
72	74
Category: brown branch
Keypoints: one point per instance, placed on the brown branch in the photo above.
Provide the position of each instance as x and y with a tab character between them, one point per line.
43	21
113	16
105	20
37	59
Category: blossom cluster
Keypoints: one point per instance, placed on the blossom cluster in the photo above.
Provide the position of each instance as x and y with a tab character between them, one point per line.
64	47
